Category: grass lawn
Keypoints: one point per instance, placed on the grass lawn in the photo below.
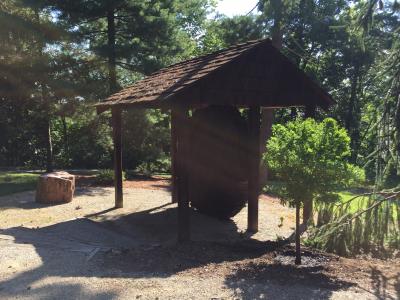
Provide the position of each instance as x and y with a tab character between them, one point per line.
362	202
355	204
14	182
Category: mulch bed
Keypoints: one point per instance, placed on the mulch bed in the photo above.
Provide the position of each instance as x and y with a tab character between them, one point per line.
139	182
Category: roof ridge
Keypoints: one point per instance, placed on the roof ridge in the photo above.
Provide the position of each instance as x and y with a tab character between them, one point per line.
202	57
251	43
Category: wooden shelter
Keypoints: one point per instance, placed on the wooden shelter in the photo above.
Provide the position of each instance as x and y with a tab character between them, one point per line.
251	75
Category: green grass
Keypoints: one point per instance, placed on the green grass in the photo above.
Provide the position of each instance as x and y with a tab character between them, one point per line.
356	204
359	203
14	182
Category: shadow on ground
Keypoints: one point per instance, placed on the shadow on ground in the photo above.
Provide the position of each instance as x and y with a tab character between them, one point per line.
253	280
159	225
143	245
380	284
25	200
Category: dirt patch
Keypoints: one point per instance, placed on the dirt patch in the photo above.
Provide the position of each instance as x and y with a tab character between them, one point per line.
151	183
242	267
139	182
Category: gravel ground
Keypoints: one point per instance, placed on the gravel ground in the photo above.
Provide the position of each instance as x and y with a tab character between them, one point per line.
85	249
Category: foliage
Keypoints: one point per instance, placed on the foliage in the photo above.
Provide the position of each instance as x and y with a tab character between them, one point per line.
310	159
362	224
146	140
106	176
223	32
57	60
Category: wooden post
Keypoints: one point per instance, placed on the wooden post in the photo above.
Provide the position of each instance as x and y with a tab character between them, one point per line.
174	156
254	172
310	111
183	182
116	123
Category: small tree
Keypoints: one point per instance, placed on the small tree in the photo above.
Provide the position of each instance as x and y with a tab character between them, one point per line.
311	160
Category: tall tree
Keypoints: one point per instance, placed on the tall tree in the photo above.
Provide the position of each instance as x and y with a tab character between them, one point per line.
139	36
222	32
28	32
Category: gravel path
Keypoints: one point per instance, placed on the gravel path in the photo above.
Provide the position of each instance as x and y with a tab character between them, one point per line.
85	249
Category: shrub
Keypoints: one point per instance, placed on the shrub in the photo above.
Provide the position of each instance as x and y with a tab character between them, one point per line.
310	159
107	176
357	176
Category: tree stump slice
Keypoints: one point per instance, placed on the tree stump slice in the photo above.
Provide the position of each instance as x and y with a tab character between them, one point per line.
56	187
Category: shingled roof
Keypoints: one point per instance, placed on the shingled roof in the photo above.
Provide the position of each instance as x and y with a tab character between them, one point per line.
252	73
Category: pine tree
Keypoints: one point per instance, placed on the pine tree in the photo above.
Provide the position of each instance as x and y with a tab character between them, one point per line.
139	36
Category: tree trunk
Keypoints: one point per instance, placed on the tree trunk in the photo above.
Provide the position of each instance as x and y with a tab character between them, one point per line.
307	212
298	249
267	114
49	146
277	7
47	108
351	120
112	71
65	134
397	125
299	37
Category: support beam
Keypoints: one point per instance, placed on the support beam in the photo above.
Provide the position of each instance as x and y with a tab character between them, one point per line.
117	138
174	156
182	126
254	172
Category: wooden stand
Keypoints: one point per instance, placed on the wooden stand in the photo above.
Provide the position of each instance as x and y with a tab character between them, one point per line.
116	123
253	184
